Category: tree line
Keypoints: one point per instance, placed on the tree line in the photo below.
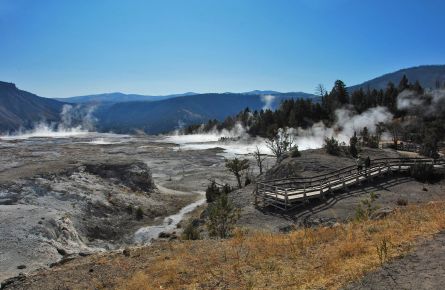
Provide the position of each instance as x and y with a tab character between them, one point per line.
303	113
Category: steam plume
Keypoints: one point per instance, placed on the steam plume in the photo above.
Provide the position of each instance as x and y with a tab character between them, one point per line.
268	101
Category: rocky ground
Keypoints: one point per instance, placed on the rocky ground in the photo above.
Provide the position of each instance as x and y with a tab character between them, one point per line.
422	269
65	196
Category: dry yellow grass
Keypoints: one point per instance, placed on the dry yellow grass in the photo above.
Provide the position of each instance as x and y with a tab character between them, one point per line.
304	259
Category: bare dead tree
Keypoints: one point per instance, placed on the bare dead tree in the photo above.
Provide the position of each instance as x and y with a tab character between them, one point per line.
320	90
395	130
259	157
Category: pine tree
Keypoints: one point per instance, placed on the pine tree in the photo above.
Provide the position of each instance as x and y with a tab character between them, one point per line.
340	92
404	83
353	145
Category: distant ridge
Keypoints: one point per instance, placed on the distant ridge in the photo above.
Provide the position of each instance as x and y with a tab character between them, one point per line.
166	115
118	97
427	75
20	109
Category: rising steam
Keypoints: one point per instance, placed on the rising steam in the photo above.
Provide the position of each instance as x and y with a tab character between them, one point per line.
428	104
347	122
268	101
74	121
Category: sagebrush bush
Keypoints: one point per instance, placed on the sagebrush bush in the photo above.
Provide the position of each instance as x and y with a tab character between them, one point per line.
366	208
401	202
213	191
139	213
191	232
422	172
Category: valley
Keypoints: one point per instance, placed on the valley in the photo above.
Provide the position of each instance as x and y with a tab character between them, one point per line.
61	197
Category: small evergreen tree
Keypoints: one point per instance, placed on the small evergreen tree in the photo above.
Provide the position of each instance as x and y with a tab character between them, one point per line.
353	145
237	166
365	136
331	146
222	217
139	213
212	192
295	152
404	83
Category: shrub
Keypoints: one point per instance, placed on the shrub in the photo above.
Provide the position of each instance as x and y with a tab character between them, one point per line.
247	181
139	213
212	192
373	141
430	146
222	217
191	232
130	209
366	208
382	250
294	152
331	146
401	202
227	189
422	172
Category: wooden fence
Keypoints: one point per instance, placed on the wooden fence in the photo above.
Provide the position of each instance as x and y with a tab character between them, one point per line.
287	193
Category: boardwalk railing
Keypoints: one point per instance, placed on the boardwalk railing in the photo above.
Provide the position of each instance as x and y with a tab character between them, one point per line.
287	193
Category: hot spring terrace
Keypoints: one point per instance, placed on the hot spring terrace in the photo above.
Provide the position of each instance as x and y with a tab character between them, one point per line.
287	193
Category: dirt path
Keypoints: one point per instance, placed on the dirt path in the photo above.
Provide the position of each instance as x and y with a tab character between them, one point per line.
422	269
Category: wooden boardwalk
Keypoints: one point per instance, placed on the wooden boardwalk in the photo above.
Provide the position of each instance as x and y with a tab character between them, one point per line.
288	193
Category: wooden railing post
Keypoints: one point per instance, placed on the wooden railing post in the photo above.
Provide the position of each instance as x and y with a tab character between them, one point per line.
256	195
285	199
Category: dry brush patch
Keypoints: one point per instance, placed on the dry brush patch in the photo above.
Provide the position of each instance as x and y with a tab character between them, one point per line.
308	258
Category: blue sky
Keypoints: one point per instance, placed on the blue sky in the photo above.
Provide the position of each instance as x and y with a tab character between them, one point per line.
60	48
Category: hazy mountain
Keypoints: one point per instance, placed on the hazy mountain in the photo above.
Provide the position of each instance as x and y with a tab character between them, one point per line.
154	114
427	75
166	115
21	109
258	92
118	98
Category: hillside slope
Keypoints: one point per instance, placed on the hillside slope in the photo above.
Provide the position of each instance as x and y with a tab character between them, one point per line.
427	75
21	109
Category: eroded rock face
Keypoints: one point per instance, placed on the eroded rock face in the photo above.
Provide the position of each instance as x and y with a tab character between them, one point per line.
77	209
136	176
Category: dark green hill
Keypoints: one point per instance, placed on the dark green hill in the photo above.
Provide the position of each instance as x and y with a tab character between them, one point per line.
22	109
427	75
